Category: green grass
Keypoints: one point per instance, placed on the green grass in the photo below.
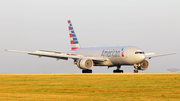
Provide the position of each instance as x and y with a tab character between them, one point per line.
96	87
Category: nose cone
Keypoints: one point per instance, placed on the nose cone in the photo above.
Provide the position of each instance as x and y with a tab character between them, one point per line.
140	58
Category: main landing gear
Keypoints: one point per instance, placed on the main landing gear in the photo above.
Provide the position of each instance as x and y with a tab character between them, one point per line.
86	71
118	70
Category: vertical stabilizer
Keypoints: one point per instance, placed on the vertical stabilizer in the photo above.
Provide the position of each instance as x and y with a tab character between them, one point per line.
73	39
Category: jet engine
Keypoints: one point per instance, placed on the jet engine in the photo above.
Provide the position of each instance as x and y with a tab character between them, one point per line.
143	65
85	63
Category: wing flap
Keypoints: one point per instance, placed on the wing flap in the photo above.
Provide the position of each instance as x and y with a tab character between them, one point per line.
51	56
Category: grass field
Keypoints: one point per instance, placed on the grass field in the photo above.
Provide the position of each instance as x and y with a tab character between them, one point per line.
96	87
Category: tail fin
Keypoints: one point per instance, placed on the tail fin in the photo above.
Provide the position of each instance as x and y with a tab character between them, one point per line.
73	39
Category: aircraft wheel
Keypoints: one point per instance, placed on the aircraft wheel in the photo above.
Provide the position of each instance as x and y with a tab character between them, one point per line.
135	71
86	71
89	71
117	71
83	71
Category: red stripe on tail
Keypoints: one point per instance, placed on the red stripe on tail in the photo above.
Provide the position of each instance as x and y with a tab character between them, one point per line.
74	48
72	42
70	35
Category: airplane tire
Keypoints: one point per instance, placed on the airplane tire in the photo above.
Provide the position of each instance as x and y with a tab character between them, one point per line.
117	71
83	71
89	71
135	71
86	71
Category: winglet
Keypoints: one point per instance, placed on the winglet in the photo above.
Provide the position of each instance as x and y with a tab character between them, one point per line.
73	39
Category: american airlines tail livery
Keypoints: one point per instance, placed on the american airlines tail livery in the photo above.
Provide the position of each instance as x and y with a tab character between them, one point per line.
113	56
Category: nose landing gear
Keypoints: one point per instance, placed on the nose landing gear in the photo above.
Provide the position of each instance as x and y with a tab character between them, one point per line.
135	71
136	68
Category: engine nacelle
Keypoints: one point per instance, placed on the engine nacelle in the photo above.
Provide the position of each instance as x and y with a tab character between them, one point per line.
85	63
144	65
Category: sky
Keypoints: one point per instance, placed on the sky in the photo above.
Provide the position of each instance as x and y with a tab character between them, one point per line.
30	25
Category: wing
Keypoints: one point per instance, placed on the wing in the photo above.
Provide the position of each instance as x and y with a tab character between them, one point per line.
150	55
58	55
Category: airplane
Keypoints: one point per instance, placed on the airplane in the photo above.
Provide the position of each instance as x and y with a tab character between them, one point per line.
111	56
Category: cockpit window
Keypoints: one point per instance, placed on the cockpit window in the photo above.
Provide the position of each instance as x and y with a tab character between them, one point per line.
139	52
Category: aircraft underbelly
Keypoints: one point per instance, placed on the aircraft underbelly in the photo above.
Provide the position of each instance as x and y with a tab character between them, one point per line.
122	61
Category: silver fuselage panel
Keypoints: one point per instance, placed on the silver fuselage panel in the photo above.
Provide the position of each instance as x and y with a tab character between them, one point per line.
116	55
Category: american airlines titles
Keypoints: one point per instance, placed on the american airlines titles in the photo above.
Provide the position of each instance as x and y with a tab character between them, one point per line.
112	53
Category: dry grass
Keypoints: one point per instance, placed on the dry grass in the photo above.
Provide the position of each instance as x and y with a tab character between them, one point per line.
151	86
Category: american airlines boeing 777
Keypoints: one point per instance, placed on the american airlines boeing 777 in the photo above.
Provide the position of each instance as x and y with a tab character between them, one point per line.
86	58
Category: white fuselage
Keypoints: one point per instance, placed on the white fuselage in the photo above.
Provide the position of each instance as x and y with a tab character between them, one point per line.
115	55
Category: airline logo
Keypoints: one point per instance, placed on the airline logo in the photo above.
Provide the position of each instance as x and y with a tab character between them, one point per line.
112	53
122	52
73	39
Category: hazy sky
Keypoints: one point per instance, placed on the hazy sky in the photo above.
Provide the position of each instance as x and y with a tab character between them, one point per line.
152	25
